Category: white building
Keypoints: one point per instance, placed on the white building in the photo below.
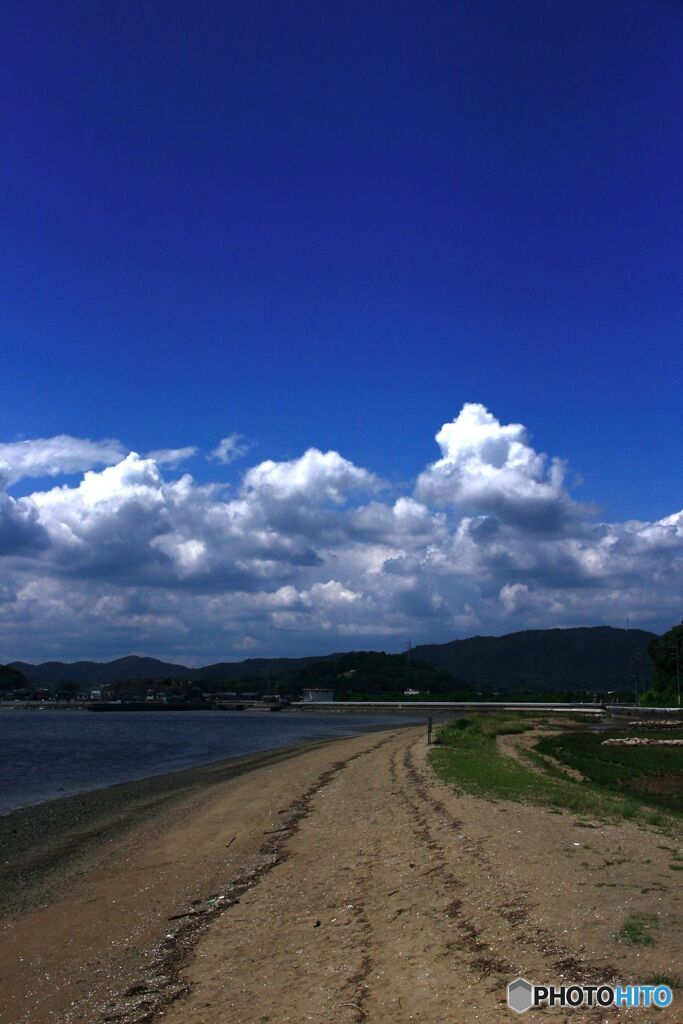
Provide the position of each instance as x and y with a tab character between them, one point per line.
319	696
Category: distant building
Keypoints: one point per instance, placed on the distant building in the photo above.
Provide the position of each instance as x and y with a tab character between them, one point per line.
319	696
96	694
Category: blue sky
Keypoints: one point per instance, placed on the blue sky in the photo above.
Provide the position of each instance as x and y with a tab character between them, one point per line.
334	225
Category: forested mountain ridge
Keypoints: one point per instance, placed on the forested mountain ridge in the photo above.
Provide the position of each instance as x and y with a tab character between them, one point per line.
597	658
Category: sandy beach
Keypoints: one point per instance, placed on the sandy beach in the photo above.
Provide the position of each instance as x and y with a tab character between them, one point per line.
341	881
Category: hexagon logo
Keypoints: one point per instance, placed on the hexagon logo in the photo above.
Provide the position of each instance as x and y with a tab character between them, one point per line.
520	995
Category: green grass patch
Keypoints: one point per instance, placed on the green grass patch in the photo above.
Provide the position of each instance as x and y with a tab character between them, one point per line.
553	770
466	756
649	774
486	727
637	930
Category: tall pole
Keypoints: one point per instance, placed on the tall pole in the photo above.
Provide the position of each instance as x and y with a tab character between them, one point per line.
678	668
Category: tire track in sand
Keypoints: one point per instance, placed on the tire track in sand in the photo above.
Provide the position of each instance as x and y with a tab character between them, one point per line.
534	950
383	909
162	983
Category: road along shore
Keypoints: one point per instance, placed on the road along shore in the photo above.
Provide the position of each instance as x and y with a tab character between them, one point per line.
340	883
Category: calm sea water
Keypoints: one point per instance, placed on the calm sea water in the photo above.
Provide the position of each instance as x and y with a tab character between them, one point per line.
48	754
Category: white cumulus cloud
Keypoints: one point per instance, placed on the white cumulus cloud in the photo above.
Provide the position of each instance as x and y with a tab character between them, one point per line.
316	476
315	553
490	467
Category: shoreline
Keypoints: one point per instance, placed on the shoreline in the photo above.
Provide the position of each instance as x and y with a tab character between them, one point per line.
91	884
36	840
152	771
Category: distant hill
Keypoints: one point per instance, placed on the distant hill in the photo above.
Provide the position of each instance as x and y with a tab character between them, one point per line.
93	673
541	660
52	674
591	658
255	668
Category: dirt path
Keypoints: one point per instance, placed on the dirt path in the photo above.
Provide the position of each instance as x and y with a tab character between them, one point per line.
512	745
395	901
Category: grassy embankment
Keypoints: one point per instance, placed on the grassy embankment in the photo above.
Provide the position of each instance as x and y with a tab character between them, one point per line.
467	756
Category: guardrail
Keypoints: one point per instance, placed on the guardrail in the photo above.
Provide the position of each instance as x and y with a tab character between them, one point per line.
433	706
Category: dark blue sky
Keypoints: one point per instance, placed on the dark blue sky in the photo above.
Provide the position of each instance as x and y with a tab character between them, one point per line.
332	224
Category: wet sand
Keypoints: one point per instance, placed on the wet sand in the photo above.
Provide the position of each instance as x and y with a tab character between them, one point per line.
339	883
88	882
